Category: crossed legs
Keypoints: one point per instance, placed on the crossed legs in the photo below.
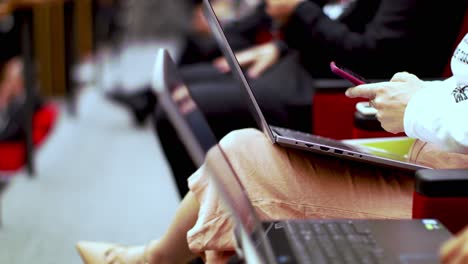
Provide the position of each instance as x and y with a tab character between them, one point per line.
281	183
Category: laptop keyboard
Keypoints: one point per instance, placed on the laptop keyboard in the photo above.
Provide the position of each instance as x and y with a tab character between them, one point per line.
334	242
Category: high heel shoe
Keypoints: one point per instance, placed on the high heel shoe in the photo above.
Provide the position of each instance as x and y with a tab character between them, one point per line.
109	253
141	103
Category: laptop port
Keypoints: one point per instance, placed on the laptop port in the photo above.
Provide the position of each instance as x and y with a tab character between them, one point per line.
325	148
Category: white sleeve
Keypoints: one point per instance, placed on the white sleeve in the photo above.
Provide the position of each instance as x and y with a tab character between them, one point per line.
439	115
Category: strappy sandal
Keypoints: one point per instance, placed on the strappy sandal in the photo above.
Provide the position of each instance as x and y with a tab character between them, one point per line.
109	253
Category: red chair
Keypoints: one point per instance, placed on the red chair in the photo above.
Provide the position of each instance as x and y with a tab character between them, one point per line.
443	195
13	156
13	153
331	109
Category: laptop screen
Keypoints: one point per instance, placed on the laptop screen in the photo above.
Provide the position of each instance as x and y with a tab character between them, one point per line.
223	44
197	136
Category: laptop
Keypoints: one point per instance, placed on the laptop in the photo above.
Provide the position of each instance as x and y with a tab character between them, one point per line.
296	139
290	241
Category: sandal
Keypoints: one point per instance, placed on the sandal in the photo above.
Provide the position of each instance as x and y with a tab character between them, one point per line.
109	253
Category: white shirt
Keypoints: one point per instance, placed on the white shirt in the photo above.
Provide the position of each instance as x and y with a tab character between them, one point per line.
439	113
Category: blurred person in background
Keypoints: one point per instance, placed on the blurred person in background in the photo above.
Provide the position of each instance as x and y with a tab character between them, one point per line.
131	32
138	29
371	37
12	97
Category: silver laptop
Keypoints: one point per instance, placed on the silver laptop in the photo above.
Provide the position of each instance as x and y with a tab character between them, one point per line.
296	139
290	241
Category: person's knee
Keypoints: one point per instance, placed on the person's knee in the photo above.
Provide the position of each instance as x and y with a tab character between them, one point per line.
236	142
242	139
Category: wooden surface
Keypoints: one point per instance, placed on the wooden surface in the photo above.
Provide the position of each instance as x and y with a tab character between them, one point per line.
9	6
49	48
84	27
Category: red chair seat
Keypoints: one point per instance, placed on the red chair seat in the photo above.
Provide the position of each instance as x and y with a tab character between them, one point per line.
449	210
12	156
331	114
43	122
443	195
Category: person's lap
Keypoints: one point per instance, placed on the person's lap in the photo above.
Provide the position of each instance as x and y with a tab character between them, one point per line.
285	183
224	104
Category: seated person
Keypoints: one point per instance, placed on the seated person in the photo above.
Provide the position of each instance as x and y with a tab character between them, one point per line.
364	38
11	103
180	27
286	183
12	97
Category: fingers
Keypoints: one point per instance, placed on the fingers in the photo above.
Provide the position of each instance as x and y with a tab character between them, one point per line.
258	68
221	64
371	90
366	90
244	58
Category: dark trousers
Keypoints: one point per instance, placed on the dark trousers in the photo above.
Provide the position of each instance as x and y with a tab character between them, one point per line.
283	92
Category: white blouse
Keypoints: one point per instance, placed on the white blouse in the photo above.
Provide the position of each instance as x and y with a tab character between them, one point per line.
439	113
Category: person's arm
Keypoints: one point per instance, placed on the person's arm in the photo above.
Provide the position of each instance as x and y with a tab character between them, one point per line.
390	99
370	32
433	112
438	114
11	81
308	24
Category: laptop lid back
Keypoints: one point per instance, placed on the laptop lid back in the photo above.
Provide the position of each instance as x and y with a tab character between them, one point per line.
198	138
229	55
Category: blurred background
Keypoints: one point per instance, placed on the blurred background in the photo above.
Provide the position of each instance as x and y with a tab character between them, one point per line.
80	153
75	162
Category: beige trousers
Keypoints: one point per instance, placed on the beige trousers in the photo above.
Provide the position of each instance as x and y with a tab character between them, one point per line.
285	183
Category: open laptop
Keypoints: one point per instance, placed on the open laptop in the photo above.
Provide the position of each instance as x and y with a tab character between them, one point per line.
296	139
290	241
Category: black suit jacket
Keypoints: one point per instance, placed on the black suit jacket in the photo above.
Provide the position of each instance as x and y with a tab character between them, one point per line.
9	43
377	38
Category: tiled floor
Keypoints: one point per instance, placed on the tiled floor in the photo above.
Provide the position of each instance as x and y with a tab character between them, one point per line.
98	178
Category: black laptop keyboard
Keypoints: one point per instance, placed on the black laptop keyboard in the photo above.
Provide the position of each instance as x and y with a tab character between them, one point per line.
334	242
